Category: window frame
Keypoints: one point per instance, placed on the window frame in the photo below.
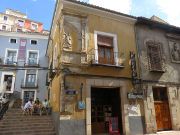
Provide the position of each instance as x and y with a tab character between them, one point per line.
115	46
4	26
159	46
4	17
13	80
32	23
11	42
6	54
34	40
27	56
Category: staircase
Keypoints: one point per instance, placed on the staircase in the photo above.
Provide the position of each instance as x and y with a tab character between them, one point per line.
15	123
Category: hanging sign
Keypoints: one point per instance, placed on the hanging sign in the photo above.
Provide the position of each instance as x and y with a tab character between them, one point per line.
135	95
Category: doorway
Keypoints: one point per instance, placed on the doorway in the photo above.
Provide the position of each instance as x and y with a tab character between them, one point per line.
105	103
162	112
28	95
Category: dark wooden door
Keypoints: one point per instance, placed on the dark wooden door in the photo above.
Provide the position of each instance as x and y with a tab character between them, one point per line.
163	118
106	55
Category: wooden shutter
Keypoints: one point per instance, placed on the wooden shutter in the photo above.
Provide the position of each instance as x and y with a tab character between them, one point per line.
155	60
105	49
105	41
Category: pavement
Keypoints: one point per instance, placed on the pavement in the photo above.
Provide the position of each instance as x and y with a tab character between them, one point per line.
166	133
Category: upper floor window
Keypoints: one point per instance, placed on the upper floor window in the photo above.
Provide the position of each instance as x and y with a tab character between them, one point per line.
5	18
11	56
20	23
34	26
154	56
32	57
106	50
13	40
3	27
33	42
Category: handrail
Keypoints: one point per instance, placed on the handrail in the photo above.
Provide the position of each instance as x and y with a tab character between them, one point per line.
3	109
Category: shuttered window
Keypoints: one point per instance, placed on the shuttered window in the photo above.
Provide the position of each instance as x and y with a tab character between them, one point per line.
154	54
105	49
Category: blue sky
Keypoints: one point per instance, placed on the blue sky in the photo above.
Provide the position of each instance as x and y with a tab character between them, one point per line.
42	10
38	10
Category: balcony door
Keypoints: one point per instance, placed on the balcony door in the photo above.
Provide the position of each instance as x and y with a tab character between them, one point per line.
33	58
105	50
28	95
31	78
11	57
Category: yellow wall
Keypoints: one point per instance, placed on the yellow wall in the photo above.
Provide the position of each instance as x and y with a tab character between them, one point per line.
126	43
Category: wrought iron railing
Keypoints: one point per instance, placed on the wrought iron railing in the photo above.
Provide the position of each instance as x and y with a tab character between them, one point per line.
32	62
108	58
29	84
8	61
3	108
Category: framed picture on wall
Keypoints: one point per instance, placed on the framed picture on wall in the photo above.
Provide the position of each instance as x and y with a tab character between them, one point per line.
174	51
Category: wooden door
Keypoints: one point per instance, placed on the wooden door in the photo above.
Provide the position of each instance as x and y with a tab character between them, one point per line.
163	118
106	55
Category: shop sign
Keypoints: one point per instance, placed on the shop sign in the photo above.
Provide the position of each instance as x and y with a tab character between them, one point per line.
70	92
135	95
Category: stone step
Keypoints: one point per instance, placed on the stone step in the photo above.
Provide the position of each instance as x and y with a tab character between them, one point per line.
29	133
27	119
24	128
24	124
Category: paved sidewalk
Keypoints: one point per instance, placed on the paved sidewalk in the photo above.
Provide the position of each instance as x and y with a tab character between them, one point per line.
166	133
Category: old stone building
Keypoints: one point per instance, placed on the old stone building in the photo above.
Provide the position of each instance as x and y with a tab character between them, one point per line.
158	46
91	75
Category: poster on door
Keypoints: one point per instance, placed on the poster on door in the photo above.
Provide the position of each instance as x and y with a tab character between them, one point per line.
22	49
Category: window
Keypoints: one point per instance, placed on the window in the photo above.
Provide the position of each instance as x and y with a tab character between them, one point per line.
154	56
31	78
5	18
11	57
13	40
34	26
105	49
33	58
3	27
7	82
20	23
33	42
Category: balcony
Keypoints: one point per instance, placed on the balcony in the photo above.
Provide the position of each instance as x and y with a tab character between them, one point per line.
10	61
109	58
29	85
32	62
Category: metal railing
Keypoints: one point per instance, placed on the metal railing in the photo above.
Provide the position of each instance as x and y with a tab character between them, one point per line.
32	62
8	61
108	58
29	84
3	108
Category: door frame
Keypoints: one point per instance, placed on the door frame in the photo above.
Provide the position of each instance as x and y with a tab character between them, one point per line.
167	102
22	94
13	80
122	85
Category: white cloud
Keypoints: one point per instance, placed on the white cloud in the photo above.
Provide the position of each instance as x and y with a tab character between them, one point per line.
172	9
123	6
